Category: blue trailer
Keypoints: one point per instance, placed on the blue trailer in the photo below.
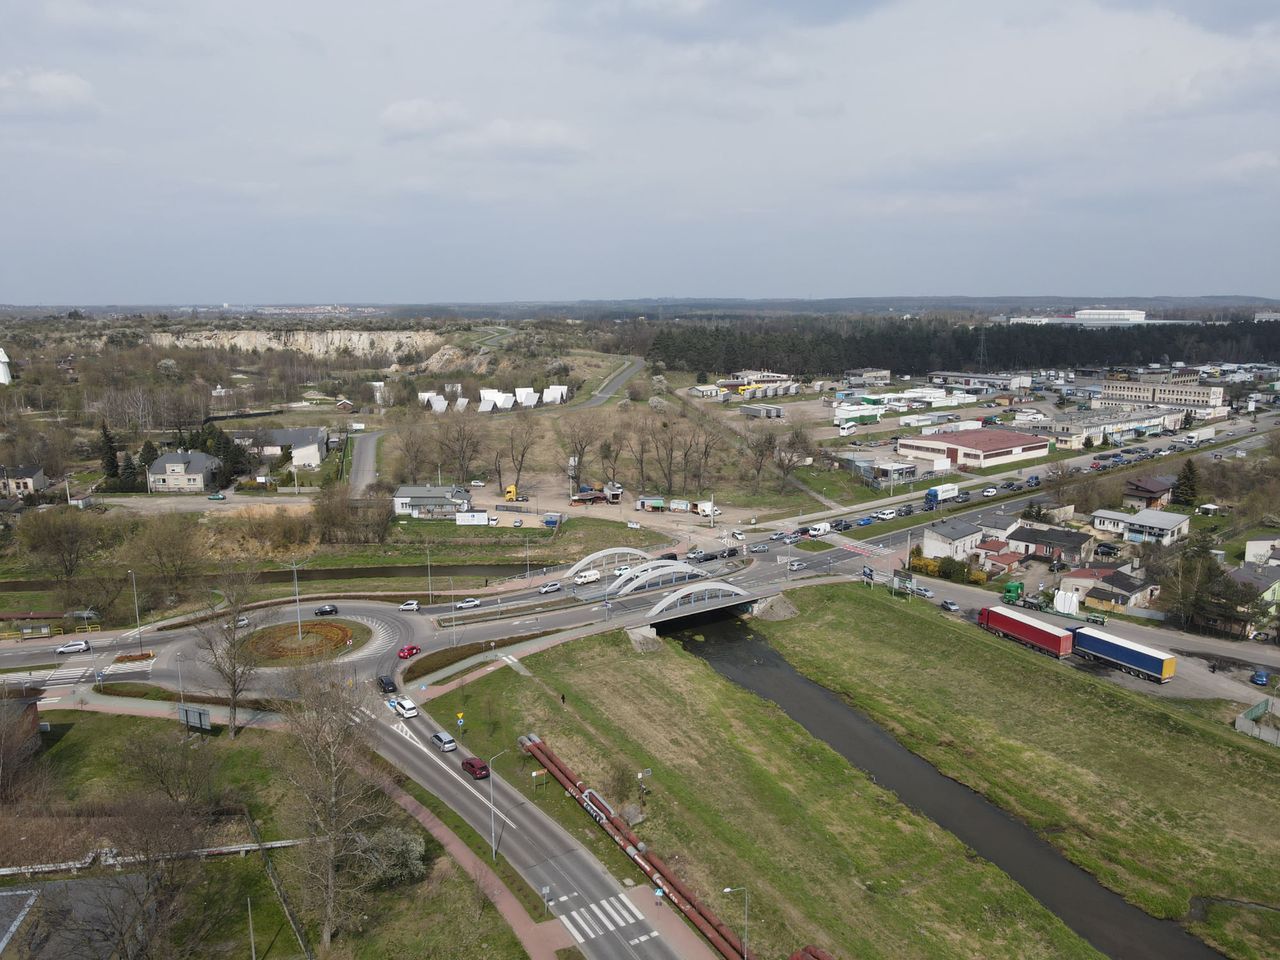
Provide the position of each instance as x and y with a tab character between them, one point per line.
1091	643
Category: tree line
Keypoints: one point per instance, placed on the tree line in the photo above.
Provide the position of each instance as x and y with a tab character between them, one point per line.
814	347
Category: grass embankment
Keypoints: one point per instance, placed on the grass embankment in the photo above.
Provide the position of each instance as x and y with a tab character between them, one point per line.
440	916
739	790
840	485
439	659
1160	804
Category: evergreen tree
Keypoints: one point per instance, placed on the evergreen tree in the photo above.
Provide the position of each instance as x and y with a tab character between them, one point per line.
128	474
1187	420
1186	486
1088	442
149	454
107	445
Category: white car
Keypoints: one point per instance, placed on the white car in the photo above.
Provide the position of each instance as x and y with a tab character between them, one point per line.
886	514
404	707
443	742
477	483
468	604
923	592
74	646
795	565
411	606
738	535
241	622
552	587
990	492
517	522
619	571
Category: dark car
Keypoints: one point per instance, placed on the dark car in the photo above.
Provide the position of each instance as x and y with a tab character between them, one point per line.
478	769
1007	485
906	510
841	525
963	496
668	556
1107	550
328	610
1058	566
386	685
731	552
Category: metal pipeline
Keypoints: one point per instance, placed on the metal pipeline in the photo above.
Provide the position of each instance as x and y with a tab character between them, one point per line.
703	920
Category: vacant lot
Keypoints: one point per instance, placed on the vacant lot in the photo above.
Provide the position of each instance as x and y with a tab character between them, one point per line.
1162	805
739	792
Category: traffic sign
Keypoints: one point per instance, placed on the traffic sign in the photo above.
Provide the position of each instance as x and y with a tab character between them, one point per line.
459	714
459	721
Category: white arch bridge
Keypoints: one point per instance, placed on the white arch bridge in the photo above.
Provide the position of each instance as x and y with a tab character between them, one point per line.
702	596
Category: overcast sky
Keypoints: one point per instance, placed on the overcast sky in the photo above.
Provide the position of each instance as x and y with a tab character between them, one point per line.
166	151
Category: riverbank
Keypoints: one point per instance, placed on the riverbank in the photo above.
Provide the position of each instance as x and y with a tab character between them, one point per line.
738	792
1160	803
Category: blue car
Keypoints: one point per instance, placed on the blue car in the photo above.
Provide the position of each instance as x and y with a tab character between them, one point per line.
866	521
1260	678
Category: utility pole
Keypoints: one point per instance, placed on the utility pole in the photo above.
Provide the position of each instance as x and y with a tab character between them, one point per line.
493	826
297	601
253	946
136	615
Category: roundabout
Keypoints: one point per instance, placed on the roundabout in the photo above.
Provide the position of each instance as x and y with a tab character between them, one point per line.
287	645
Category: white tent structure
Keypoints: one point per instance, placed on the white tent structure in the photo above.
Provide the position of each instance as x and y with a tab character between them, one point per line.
526	396
555	394
5	376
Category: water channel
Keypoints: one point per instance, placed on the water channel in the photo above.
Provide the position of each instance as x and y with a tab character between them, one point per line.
1103	918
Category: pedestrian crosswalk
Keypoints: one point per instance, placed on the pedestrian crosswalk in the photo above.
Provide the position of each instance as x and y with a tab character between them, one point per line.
78	670
601	917
382	638
70	673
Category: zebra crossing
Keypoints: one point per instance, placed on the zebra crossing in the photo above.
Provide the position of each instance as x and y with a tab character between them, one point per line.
603	916
70	673
78	670
382	639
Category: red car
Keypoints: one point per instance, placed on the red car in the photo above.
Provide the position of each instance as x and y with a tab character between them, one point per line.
478	769
409	651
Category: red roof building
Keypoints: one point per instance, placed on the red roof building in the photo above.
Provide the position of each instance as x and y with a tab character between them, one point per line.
977	448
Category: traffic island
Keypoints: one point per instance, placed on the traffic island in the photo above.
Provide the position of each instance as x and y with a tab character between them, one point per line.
291	644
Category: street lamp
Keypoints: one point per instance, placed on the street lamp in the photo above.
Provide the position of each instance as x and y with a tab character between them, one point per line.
453	620
493	825
181	696
746	910
297	602
136	615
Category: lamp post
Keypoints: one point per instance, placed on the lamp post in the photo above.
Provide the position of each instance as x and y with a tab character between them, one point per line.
746	910
182	700
136	615
493	823
453	619
297	602
429	593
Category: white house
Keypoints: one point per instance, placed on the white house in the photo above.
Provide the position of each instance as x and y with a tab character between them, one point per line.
956	539
1145	526
187	471
1110	521
422	502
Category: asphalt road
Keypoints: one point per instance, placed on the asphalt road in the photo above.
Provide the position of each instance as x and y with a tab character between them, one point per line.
364	462
590	903
610	386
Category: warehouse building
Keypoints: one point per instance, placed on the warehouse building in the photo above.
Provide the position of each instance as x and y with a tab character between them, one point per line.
970	449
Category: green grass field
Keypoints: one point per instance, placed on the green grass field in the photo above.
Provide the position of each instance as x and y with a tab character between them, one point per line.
1161	803
741	792
438	917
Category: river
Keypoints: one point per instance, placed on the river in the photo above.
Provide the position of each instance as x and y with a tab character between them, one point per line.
1103	918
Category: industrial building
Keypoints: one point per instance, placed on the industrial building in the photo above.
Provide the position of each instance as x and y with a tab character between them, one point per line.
1183	396
868	377
1070	429
1008	383
762	411
970	449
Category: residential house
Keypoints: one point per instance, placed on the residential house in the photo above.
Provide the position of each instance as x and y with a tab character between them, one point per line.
1262	553
344	405
308	446
185	471
424	502
1143	493
957	539
997	524
1264	579
1053	543
1110	521
1157	526
1114	587
21	480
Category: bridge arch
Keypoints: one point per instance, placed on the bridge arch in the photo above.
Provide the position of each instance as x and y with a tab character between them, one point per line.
599	558
695	592
644	574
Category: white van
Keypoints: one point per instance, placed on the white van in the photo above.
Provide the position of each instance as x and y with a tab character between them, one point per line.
587	576
820	529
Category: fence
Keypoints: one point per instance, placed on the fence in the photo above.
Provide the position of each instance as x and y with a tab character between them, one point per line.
1266	710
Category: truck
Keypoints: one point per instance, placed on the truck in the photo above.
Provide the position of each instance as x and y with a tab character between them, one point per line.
707	508
1199	435
1132	658
510	494
553	519
1028	631
586	576
940	494
1012	591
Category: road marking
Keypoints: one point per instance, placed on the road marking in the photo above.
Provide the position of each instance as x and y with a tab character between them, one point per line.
569	926
405	732
628	908
588	922
648	936
614	913
603	918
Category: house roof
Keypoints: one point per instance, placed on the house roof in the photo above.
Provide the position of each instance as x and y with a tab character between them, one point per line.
1088	573
1008	559
1149	486
987	440
1160	519
1053	537
411	492
993	546
193	460
1259	577
1117	515
953	529
298	436
23	472
1124	582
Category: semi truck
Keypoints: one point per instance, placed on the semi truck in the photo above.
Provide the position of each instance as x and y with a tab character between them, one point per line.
1199	435
1036	634
1133	658
940	494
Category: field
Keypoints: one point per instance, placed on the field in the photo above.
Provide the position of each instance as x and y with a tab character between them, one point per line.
439	917
1161	804
738	791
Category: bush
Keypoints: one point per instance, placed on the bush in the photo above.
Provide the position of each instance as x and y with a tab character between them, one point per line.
925	565
396	857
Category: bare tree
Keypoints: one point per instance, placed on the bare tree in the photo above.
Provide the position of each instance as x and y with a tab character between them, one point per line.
61	538
337	805
637	442
415	442
225	640
707	439
162	761
520	440
761	446
610	453
665	441
461	439
792	450
581	434
18	744
171	549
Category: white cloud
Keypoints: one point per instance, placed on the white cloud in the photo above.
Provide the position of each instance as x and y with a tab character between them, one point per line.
35	94
406	119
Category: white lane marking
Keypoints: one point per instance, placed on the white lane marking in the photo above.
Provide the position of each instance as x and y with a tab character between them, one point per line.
628	908
614	913
588	922
647	936
569	926
404	731
603	918
581	923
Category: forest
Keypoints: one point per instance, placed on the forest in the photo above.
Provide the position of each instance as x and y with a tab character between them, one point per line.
816	347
